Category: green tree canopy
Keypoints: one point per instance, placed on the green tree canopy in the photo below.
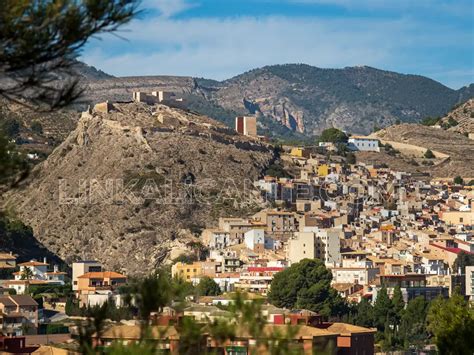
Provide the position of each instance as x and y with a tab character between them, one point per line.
364	314
37	127
383	309
11	161
463	259
333	135
10	127
39	41
208	287
430	121
307	285
458	180
429	154
452	323
398	303
412	329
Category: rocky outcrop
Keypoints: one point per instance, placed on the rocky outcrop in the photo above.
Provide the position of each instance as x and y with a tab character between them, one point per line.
125	188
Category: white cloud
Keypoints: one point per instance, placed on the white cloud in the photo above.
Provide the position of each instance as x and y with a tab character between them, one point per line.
167	8
220	48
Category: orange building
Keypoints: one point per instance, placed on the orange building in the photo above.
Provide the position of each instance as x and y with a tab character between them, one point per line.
98	281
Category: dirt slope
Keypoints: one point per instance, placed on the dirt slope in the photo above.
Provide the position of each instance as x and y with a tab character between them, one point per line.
126	187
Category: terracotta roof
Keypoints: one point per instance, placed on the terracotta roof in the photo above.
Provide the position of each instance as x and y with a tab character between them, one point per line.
452	250
134	332
264	268
304	331
23	300
5	300
21	282
6	256
33	263
102	275
4	265
348	329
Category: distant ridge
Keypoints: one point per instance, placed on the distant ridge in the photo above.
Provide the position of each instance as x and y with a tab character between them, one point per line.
299	99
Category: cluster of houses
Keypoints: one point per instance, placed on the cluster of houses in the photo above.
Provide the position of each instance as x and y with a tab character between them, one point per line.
19	312
371	226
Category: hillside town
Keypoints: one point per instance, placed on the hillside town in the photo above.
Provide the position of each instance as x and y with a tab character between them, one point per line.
192	177
375	230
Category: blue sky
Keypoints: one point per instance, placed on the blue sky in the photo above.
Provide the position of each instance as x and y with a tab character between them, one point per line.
221	38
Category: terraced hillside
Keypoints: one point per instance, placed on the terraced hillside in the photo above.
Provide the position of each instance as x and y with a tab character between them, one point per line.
459	148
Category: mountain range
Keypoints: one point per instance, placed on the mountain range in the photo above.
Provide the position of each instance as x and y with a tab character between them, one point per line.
295	100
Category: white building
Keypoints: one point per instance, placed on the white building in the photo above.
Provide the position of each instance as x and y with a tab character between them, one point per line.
256	240
363	144
354	275
470	282
314	243
270	188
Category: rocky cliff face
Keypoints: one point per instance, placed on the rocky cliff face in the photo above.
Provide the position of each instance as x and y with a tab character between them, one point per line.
308	99
140	178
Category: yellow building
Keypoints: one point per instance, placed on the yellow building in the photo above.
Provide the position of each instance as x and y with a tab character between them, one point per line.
299	152
323	170
186	271
465	218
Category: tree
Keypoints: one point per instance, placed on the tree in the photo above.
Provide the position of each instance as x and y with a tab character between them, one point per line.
429	154
398	302
333	135
208	287
41	39
463	259
458	180
364	314
10	127
39	42
383	309
11	161
37	127
350	158
471	183
26	274
430	121
412	331
452	323
452	122
307	285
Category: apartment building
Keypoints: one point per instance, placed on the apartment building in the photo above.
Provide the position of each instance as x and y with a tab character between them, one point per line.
83	267
18	315
257	279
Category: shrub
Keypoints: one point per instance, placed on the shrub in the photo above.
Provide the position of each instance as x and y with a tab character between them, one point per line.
37	127
10	127
430	121
458	180
429	154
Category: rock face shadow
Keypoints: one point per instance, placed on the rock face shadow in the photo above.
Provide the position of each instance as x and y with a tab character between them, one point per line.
18	238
